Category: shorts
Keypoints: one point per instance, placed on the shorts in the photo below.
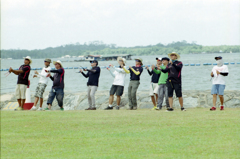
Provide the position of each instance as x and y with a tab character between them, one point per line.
21	91
153	89
174	86
218	89
40	90
117	89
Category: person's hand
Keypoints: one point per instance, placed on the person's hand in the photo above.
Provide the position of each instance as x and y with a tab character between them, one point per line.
170	62
153	67
46	71
218	72
111	65
158	67
48	75
108	68
130	66
147	67
10	69
122	65
36	72
84	69
212	74
34	76
81	70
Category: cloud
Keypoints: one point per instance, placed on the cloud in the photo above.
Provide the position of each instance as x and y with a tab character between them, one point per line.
42	23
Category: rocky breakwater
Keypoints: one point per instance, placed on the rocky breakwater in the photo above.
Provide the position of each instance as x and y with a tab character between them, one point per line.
79	101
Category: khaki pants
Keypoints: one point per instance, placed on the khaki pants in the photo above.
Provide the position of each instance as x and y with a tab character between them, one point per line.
132	93
21	91
91	96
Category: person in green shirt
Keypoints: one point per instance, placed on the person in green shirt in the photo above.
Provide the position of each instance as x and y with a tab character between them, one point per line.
162	89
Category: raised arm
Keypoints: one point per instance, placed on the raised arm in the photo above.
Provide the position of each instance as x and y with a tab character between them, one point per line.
127	71
157	71
178	66
135	72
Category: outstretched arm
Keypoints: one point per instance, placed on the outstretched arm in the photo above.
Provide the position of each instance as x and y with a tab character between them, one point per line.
127	71
134	71
178	66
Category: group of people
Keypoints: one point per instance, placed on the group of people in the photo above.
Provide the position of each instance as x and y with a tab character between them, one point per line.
165	80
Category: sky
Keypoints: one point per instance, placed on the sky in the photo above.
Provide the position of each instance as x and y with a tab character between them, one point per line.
38	24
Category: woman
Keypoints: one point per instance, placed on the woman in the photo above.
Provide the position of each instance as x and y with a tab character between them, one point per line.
118	84
135	73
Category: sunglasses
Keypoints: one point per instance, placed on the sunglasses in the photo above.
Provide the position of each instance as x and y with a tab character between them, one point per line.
92	62
137	60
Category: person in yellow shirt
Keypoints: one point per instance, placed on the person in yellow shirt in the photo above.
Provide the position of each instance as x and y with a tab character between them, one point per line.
135	72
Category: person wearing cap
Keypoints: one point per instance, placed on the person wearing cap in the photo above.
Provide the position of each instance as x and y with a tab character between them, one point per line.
135	72
154	83
42	84
22	83
93	80
118	84
174	81
162	89
218	74
58	85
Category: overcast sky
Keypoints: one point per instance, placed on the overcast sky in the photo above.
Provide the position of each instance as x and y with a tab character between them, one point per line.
38	24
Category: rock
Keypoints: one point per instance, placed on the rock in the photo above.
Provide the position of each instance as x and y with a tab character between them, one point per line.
79	101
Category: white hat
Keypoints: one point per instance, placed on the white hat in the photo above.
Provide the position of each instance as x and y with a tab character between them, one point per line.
123	59
58	61
178	56
159	58
29	58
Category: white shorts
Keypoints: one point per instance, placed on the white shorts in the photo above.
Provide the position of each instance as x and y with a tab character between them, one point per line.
153	89
21	91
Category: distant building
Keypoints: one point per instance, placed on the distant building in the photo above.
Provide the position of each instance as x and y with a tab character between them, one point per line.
107	57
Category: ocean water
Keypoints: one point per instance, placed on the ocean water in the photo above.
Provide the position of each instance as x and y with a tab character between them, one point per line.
193	77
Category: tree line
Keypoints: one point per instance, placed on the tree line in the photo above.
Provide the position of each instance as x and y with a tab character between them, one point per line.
100	48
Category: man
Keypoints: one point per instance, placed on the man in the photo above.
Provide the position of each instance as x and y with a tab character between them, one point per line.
174	81
218	83
162	89
58	85
118	84
135	73
22	83
93	80
42	84
154	83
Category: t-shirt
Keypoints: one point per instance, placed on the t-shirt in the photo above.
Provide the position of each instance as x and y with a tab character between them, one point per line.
23	77
219	79
58	78
133	76
43	75
155	77
164	76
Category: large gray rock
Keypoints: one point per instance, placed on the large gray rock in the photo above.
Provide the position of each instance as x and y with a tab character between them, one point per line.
79	101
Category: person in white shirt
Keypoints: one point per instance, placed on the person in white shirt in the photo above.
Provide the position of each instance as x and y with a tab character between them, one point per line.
218	74
42	84
118	84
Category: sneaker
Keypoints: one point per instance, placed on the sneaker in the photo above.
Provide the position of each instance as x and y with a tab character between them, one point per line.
213	108
88	108
117	107
47	109
157	108
39	109
34	108
18	109
183	109
108	108
154	108
94	108
170	109
222	107
62	109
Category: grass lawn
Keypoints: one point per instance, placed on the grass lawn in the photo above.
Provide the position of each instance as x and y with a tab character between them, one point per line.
196	133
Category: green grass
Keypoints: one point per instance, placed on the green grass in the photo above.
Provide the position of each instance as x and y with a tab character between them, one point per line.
196	133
